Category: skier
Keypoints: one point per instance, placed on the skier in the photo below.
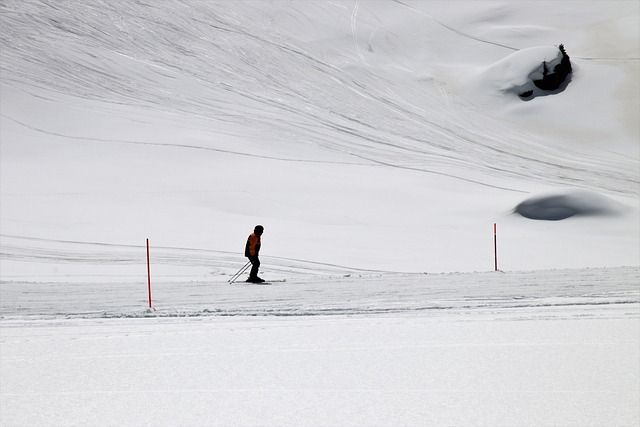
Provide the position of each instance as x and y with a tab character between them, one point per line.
251	251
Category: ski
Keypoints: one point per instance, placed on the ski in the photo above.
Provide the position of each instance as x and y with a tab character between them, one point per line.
266	282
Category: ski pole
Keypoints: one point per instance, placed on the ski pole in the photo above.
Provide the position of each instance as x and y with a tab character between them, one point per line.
239	273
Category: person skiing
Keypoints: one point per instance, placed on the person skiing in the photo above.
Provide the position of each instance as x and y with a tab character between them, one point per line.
251	251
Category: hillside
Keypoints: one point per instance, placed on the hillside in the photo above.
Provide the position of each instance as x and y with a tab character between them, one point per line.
366	135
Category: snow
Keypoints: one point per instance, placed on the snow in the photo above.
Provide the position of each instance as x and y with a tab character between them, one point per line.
515	73
378	143
557	347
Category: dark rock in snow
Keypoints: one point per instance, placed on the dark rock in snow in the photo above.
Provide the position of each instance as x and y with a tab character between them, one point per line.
528	73
552	79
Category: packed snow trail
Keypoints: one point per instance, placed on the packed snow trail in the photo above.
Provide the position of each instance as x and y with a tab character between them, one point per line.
505	295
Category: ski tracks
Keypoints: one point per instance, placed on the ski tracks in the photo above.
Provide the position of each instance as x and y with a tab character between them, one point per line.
549	294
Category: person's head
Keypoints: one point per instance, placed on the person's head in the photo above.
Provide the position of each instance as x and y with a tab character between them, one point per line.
258	230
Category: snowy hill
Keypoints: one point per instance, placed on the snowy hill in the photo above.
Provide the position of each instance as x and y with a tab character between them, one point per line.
367	135
378	143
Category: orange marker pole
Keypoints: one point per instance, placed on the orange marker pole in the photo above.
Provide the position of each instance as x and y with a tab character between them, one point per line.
495	245
148	274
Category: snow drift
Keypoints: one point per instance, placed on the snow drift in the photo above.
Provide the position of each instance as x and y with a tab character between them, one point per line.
563	205
526	72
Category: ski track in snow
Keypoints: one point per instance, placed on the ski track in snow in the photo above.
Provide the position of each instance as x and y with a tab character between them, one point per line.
29	249
553	294
199	287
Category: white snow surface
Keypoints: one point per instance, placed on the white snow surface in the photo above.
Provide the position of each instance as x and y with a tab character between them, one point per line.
378	143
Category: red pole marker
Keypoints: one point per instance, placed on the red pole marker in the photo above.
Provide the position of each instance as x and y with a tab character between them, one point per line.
148	274
495	245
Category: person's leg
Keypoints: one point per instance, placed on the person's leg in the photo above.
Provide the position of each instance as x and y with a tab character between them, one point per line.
255	266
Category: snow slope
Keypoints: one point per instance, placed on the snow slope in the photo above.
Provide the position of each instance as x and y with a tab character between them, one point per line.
357	133
376	142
